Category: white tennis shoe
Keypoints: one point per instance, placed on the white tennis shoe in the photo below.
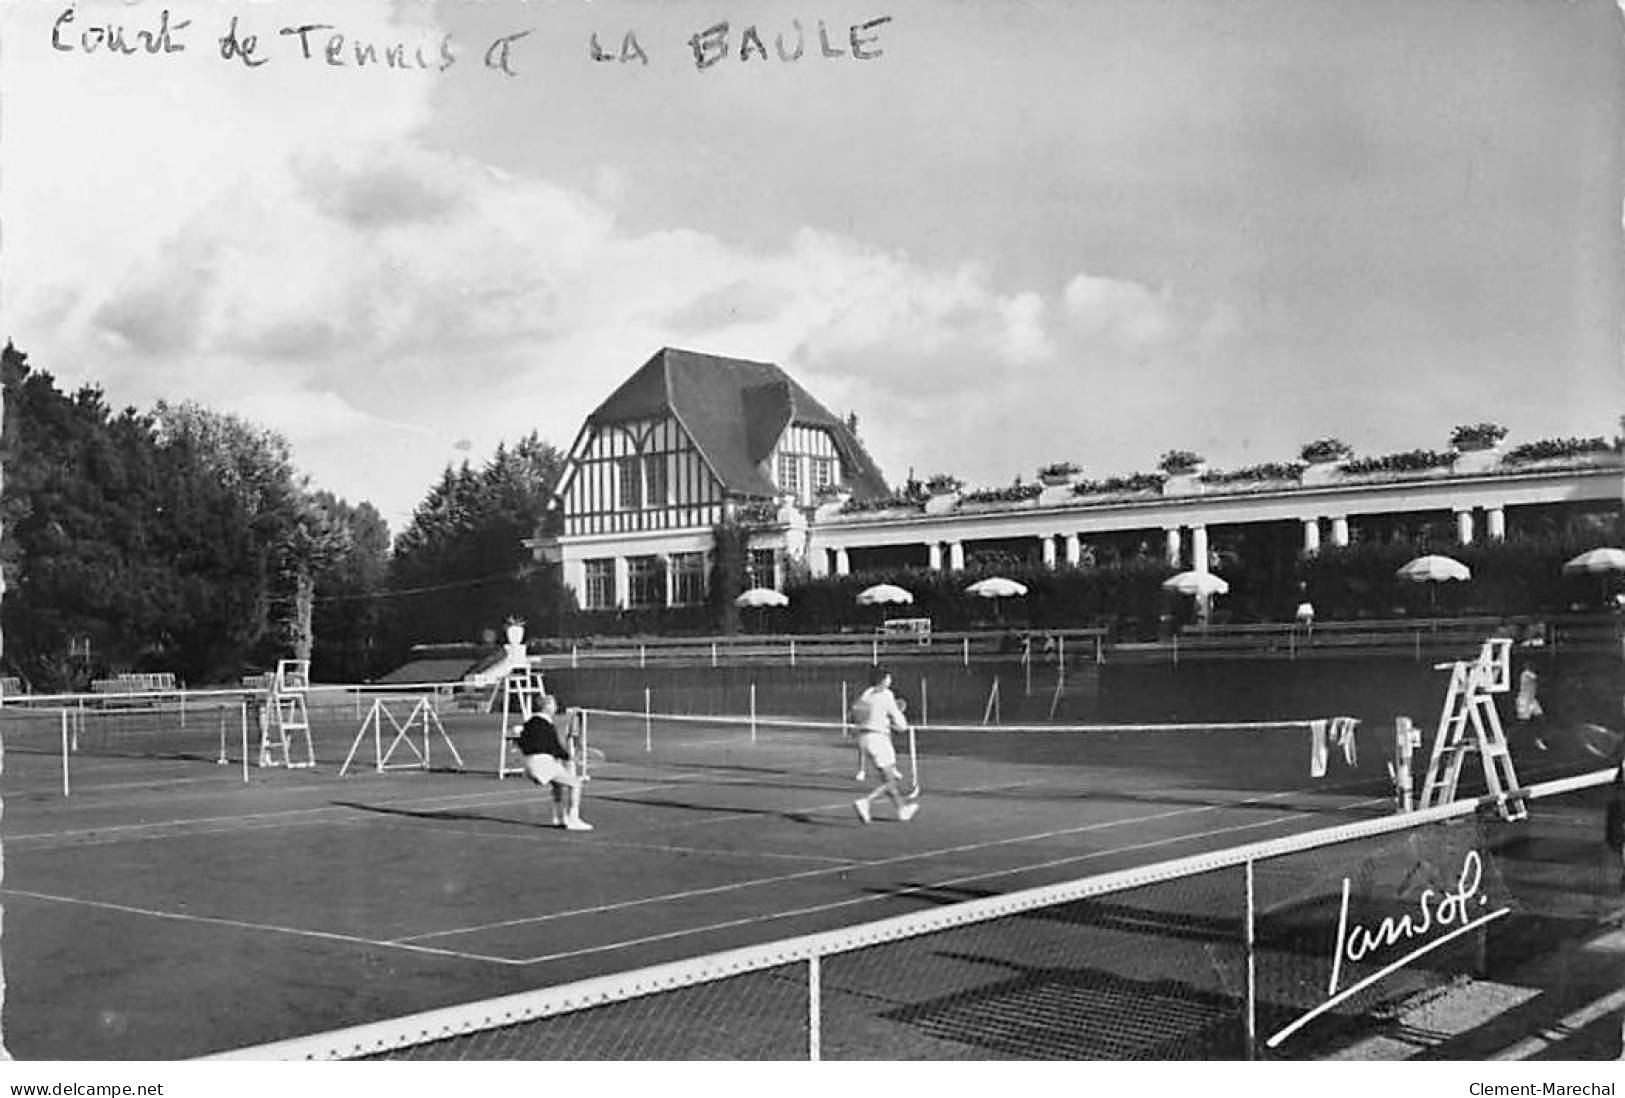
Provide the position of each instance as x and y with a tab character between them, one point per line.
906	813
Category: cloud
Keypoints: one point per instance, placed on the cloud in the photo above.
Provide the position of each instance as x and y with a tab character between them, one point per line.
323	271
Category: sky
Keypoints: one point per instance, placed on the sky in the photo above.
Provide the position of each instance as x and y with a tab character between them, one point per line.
1004	234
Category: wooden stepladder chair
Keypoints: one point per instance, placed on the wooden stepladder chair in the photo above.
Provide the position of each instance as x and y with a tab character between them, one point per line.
1470	724
285	719
522	693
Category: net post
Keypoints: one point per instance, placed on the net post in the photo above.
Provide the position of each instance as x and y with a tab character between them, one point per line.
913	762
752	712
221	761
925	704
1250	936
648	724
814	1009
792	651
713	653
64	752
643	656
844	708
242	709
183	708
874	652
572	657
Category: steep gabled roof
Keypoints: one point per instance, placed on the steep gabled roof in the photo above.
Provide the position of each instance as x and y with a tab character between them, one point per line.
734	411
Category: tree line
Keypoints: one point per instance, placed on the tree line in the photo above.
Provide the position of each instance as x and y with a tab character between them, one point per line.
184	539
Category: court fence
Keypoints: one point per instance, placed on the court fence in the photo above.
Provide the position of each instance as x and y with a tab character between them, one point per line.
1276	949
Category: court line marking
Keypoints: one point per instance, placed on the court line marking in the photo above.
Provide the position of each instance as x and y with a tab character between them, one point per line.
253	821
864	864
241	924
860	900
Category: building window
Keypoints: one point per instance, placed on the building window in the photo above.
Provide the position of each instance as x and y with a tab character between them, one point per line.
823	473
687	579
645	582
654	481
790	474
631	483
600	593
760	568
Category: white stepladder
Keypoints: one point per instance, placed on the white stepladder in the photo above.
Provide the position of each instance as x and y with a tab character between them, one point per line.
421	718
285	720
1469	704
522	694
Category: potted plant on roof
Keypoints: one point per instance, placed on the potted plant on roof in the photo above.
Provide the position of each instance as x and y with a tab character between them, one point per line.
1184	469
942	492
1059	473
1477	446
1471	437
1326	451
1324	456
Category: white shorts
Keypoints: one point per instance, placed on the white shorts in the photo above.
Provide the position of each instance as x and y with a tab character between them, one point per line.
877	747
543	769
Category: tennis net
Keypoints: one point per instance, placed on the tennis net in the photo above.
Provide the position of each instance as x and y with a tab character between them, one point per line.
1239	759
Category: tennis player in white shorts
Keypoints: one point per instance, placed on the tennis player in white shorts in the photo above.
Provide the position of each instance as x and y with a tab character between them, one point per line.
877	716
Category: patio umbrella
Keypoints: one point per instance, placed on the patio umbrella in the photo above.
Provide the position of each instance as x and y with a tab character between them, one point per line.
1434	569
1201	584
1600	563
997	588
884	594
761	599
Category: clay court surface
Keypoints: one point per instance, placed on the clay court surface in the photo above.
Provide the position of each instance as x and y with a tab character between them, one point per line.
168	909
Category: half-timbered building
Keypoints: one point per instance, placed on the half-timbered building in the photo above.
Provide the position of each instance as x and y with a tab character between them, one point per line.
689	441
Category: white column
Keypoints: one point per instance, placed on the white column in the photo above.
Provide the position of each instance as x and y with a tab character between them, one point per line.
843	566
1464	527
575	578
665	568
1047	545
1199	548
1495	523
623	580
1173	551
1340	531
1311	536
935	550
1074	550
956	556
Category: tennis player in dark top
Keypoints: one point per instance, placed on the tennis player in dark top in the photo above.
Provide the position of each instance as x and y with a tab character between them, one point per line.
548	762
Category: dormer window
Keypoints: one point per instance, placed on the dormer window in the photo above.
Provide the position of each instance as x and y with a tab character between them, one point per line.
823	474
790	474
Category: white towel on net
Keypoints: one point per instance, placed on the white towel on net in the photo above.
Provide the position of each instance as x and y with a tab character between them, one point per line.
1342	734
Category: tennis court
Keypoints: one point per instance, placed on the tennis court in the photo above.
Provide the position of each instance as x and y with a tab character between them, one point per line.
170	908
